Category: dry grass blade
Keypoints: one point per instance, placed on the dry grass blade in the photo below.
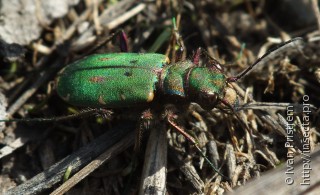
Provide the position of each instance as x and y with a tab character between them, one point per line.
154	172
53	175
119	147
272	182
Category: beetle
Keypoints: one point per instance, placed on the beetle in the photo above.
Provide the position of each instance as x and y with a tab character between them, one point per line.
118	80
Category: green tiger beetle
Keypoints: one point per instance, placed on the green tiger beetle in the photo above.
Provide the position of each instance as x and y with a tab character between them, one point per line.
118	80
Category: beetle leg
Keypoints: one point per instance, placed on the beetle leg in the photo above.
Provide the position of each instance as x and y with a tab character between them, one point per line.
123	41
176	40
170	116
145	123
196	56
213	63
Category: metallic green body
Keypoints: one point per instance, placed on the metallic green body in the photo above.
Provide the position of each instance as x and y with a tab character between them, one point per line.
111	80
174	77
204	80
186	80
127	79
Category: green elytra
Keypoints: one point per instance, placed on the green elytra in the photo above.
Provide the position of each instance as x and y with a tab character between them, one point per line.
127	79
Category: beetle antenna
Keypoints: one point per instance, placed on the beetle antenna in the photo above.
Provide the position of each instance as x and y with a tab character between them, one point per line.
296	43
84	113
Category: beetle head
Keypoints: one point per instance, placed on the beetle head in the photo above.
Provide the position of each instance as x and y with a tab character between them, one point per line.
207	88
208	100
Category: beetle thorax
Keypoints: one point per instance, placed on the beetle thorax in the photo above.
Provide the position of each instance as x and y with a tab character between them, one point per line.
173	79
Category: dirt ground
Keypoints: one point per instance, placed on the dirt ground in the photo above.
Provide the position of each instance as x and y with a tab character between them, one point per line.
137	149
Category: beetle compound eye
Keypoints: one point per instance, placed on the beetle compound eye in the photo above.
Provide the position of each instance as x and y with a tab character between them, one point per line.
207	101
